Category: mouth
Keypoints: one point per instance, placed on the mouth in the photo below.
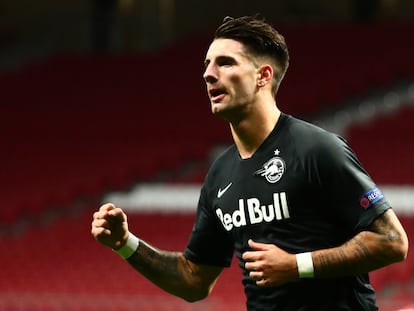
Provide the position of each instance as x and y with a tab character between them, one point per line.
216	94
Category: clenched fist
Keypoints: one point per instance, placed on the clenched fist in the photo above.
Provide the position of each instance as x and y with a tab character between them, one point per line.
110	226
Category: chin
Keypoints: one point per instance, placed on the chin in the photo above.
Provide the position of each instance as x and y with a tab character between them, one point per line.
217	109
221	113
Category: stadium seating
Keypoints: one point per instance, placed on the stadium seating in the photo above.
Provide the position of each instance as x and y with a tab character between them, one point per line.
77	126
385	146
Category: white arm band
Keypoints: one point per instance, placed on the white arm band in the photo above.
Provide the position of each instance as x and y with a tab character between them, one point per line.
305	265
129	247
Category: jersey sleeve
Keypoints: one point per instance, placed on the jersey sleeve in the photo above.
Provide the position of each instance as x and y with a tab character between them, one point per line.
209	244
349	190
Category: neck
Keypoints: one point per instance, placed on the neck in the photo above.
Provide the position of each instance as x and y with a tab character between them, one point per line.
249	133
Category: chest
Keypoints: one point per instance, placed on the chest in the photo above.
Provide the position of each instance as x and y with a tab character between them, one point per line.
268	189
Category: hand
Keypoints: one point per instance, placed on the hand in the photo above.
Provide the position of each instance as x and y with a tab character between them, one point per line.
269	265
110	226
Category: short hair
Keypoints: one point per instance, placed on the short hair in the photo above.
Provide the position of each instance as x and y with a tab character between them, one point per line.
260	39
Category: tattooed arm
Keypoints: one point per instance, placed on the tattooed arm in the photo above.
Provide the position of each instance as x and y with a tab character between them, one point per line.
174	273
383	243
170	271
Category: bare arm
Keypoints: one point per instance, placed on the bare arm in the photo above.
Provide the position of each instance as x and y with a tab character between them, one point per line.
174	273
383	243
170	271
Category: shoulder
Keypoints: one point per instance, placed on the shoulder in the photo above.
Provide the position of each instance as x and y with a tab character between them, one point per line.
312	139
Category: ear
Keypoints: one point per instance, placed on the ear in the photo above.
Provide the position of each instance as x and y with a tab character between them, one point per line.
265	75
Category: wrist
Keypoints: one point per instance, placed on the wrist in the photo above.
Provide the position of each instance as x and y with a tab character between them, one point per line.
305	265
129	248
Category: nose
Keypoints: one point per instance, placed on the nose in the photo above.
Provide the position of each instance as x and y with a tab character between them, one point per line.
210	74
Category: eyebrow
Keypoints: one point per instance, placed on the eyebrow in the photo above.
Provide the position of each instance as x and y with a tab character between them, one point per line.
221	58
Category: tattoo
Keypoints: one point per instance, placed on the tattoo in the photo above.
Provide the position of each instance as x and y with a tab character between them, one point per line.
323	261
342	257
366	251
327	259
156	264
384	225
174	273
361	251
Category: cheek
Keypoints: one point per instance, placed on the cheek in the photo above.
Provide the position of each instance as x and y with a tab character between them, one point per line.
244	87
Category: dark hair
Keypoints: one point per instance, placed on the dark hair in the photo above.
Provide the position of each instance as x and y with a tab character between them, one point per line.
260	39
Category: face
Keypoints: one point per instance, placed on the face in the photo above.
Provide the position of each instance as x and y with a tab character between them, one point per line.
231	78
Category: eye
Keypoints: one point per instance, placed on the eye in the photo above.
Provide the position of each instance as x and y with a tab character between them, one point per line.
225	61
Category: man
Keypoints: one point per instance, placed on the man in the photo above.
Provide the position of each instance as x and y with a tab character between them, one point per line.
305	220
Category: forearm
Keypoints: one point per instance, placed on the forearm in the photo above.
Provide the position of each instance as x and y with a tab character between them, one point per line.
354	257
170	271
367	251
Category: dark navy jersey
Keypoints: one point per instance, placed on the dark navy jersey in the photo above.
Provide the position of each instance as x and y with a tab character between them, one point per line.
302	190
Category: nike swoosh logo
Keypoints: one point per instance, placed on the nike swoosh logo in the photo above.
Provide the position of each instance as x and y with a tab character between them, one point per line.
221	191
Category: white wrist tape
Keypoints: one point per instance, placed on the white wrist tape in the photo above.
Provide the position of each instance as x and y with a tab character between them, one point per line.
129	247
305	265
